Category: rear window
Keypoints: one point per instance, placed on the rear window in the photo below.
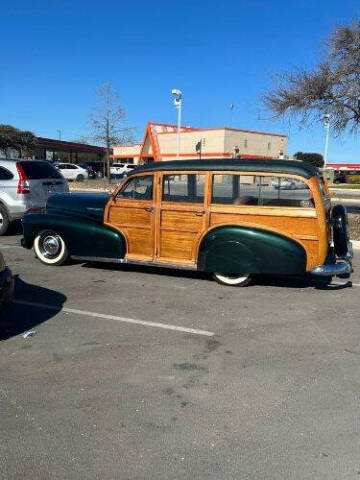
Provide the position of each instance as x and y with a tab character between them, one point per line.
37	170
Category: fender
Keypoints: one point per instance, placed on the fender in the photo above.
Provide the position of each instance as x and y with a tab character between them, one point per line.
83	237
237	249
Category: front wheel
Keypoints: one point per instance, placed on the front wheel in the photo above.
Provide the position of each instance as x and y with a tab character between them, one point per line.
80	178
50	248
233	280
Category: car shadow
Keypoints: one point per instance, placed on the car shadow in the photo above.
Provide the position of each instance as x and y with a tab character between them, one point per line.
306	281
18	318
148	269
15	228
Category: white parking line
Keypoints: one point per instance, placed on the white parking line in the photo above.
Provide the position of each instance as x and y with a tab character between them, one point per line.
144	323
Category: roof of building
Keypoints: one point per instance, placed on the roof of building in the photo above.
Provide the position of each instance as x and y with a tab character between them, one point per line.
64	145
257	165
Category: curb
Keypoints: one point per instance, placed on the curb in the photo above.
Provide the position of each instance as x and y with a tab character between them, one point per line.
355	244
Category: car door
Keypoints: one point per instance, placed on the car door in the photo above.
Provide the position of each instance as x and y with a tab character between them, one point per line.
182	217
132	212
64	170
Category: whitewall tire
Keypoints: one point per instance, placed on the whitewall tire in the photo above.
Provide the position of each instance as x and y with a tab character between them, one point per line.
233	280
50	248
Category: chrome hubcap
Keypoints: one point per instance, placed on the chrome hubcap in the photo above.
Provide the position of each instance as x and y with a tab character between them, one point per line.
50	246
1	219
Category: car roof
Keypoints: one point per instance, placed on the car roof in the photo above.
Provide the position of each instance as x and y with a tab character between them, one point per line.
293	167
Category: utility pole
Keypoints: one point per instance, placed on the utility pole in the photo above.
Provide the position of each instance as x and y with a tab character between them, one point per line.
178	102
231	113
59	134
327	128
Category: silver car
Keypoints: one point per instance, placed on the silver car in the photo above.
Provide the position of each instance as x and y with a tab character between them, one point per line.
25	185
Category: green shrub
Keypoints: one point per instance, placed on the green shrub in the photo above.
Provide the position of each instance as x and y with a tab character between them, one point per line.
353	179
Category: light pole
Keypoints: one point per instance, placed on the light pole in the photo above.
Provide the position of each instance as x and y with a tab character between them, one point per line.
177	102
326	121
59	132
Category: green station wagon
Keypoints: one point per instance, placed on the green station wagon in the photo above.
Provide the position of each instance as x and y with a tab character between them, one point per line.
233	218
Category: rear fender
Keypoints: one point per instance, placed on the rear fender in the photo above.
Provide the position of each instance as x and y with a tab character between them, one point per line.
83	237
237	249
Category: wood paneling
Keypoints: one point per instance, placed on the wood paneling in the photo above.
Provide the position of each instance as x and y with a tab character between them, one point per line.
137	217
291	225
139	242
185	221
177	246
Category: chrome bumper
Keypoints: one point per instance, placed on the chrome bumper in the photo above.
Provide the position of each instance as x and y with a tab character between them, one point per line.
341	267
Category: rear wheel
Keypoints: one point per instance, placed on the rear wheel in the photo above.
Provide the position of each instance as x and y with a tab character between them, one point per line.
4	220
233	279
50	248
80	178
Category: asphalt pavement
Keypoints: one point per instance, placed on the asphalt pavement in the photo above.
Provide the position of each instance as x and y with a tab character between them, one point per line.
142	373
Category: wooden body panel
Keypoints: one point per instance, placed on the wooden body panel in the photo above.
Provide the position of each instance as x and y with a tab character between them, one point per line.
179	232
172	232
135	220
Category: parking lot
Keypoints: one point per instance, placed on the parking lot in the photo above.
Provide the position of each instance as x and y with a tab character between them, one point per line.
141	373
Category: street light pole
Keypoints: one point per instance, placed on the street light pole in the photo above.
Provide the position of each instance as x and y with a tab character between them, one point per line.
327	128
178	102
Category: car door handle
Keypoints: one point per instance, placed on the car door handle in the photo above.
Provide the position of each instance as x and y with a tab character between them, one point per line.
200	213
149	209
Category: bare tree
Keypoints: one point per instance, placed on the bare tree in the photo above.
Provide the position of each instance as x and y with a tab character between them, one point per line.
108	121
332	88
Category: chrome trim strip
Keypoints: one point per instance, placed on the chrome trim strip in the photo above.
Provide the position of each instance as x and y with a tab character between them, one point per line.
134	262
98	259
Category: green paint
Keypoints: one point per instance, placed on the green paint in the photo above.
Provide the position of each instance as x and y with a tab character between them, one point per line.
235	249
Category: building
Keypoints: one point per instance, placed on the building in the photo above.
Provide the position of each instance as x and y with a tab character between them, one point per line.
73	152
59	150
160	143
343	166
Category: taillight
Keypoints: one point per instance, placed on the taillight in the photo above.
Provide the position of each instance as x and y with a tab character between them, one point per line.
23	185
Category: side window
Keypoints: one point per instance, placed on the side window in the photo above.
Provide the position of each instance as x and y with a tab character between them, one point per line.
138	188
236	189
5	174
285	192
256	190
188	188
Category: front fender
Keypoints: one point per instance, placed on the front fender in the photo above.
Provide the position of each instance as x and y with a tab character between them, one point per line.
237	249
83	237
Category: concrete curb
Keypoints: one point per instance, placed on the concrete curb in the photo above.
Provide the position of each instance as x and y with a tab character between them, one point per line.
356	244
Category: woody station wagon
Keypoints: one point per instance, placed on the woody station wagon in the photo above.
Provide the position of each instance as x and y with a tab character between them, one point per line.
233	218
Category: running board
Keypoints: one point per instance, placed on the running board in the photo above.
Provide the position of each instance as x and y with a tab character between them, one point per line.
178	266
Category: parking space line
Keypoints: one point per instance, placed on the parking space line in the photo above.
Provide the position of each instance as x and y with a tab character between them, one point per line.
104	316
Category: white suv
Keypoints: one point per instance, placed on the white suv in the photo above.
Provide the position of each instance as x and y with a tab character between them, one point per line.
121	168
25	185
72	172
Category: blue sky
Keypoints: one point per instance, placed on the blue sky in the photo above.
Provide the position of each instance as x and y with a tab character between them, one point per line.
55	53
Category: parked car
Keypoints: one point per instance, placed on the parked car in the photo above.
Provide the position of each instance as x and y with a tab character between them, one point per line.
73	172
25	185
89	169
121	169
6	283
218	216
